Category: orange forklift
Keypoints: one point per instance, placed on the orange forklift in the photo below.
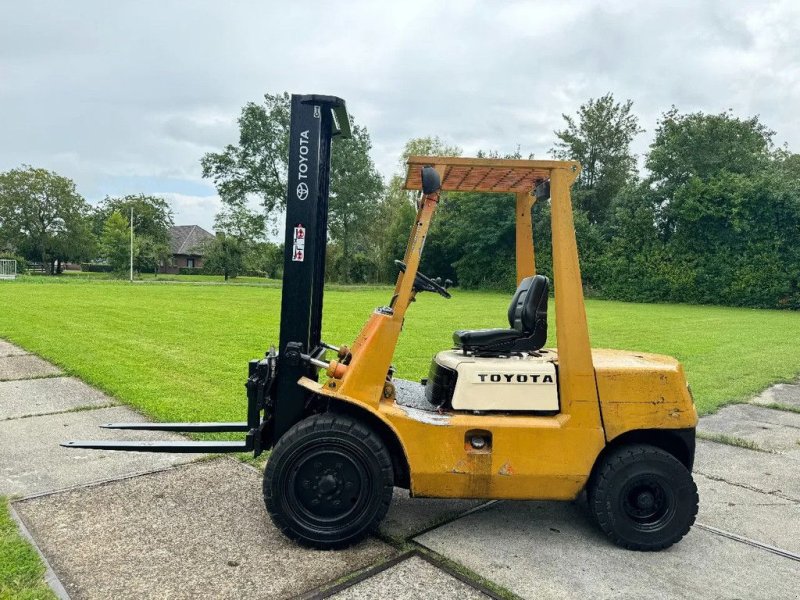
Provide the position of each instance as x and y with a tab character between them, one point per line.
502	415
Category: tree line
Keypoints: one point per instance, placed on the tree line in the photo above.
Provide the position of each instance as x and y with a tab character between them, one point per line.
713	216
710	213
44	220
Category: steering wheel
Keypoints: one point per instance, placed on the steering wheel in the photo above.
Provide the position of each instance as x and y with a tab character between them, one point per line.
424	283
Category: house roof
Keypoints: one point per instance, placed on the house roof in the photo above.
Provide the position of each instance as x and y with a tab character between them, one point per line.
188	239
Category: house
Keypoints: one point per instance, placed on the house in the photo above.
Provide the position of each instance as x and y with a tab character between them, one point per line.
186	243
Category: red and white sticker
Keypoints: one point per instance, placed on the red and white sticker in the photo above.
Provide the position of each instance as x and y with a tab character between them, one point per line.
299	244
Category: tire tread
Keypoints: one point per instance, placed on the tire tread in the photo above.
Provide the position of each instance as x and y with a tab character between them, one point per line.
600	482
327	423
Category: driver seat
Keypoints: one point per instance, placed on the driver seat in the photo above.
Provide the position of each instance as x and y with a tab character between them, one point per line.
527	317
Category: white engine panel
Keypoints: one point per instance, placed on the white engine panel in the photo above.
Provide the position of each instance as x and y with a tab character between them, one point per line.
517	383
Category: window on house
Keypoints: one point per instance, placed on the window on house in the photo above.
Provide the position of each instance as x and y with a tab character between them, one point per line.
190	263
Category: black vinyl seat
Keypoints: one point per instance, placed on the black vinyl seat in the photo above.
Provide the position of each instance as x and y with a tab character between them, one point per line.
527	317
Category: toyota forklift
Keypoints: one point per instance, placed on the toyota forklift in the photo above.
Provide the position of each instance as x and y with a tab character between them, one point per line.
502	415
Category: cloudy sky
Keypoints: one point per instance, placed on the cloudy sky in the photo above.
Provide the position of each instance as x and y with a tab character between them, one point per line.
126	97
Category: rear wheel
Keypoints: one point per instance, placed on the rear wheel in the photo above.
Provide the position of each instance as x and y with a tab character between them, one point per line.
328	482
643	498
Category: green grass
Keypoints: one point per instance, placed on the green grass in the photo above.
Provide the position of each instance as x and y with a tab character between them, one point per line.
781	406
90	275
730	440
21	571
180	352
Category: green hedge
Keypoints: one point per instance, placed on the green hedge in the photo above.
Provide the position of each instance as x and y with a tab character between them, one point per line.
96	268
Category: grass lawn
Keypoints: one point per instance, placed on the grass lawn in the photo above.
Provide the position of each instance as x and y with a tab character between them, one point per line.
78	275
21	571
180	352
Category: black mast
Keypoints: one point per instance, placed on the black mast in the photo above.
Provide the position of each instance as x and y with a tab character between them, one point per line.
315	120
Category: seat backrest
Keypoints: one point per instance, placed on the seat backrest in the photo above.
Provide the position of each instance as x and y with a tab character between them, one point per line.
528	310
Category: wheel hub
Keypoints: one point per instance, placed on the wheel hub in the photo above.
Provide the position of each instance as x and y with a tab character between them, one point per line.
645	500
327	485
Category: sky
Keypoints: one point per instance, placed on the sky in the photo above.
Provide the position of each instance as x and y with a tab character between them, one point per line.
126	97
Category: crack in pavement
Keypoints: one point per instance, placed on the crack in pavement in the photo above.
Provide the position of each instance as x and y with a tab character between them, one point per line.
749	542
84	408
776	493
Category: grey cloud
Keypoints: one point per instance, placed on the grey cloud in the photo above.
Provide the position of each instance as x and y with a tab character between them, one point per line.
98	90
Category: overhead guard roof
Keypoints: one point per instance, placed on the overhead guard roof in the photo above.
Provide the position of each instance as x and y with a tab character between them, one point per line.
484	174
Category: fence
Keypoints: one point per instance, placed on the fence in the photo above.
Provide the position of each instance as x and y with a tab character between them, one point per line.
8	269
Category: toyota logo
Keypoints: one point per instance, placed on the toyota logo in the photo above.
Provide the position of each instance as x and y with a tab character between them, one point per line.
302	190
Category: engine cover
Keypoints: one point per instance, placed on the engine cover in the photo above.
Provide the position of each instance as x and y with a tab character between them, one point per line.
516	383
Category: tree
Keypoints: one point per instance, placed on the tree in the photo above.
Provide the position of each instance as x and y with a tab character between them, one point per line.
240	222
225	254
475	239
256	169
264	258
149	253
43	216
152	219
354	201
701	145
599	137
75	244
152	215
693	148
115	242
716	221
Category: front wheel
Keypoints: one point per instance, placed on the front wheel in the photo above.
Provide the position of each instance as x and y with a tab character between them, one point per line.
328	482
643	498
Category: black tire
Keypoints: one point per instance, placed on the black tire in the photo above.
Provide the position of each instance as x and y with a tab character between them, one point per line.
328	482
643	498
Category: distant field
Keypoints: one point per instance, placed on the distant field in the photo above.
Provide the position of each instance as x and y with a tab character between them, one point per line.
78	275
179	352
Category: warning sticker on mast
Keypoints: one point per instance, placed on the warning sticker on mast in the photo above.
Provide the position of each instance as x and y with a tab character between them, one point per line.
299	243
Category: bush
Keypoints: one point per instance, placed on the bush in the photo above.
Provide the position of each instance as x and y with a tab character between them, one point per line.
192	271
96	268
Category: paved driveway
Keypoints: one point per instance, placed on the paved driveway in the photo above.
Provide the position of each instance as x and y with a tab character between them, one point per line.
115	525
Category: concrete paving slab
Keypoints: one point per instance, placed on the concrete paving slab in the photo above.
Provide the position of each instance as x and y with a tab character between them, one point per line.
27	397
787	394
766	519
759	414
25	366
9	349
774	474
775	430
31	460
411	579
196	531
409	516
551	550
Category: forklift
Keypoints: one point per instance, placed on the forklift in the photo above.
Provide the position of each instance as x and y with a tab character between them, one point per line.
500	416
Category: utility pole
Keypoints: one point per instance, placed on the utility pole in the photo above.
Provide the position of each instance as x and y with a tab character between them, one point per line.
131	244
